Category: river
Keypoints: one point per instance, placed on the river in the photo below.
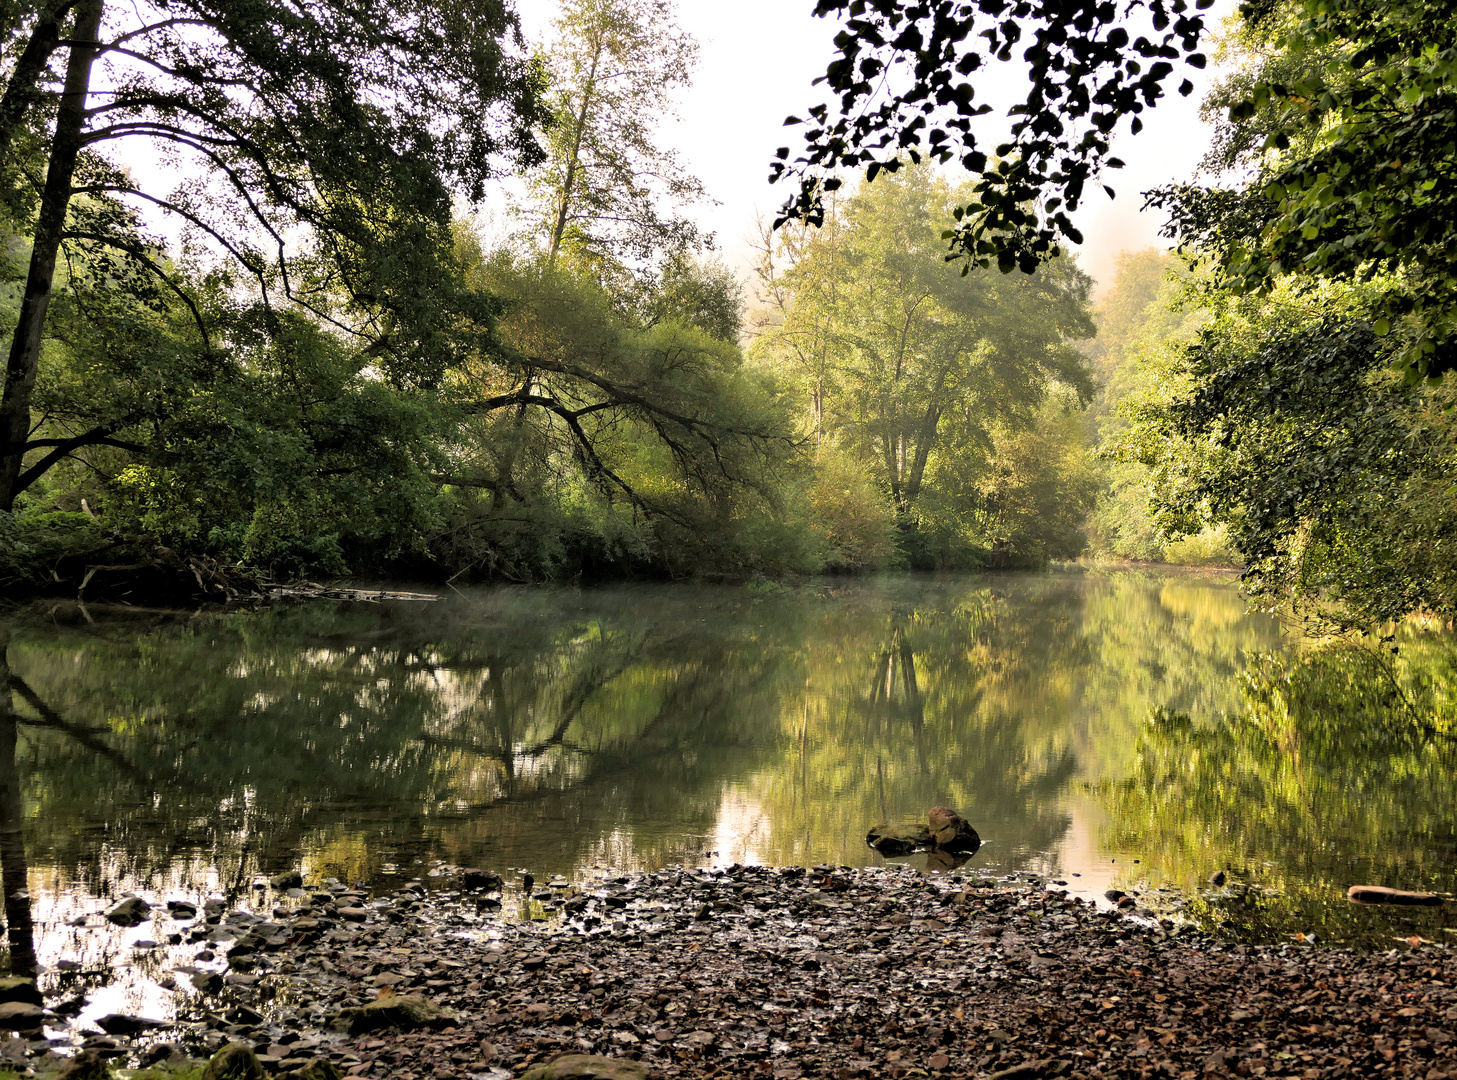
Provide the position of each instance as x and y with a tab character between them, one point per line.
1128	729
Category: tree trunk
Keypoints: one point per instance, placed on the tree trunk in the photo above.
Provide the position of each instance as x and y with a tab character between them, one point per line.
14	871
22	91
570	179
20	370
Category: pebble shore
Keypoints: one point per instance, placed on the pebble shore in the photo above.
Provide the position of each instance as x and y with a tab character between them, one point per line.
789	973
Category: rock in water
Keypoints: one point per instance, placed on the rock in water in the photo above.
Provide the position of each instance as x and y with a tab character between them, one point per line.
15	988
234	1062
480	879
120	1024
19	1016
901	841
949	831
289	879
208	982
87	1065
1217	879
404	1012
588	1067
1377	894
133	911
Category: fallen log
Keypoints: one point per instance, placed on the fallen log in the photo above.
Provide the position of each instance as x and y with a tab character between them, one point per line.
1379	894
308	591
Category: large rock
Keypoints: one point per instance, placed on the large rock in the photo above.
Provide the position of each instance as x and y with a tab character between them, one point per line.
87	1065
235	1061
588	1067
133	911
20	1016
17	988
951	832
1377	894
289	879
898	841
404	1012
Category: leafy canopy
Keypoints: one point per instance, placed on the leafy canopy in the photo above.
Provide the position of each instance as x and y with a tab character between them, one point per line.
905	76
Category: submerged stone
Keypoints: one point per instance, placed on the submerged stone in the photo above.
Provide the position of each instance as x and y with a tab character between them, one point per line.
121	1024
902	841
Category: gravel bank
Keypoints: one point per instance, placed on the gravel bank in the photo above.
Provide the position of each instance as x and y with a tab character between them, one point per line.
816	973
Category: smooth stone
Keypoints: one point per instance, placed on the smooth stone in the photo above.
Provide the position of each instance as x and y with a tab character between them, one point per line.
902	841
480	879
318	1069
289	879
20	1015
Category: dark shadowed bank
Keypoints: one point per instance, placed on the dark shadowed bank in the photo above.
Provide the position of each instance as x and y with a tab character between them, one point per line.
789	973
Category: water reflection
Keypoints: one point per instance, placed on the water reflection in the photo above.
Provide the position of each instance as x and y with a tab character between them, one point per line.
554	729
14	872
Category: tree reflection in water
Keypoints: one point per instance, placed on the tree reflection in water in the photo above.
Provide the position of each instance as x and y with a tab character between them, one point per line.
14	872
645	725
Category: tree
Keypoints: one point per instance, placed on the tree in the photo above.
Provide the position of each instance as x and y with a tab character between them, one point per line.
335	132
1346	122
647	441
1331	474
903	76
1344	117
912	368
614	67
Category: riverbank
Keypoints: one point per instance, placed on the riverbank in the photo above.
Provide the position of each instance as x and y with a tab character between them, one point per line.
792	973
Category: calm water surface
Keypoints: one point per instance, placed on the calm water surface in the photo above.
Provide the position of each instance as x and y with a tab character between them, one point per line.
1106	729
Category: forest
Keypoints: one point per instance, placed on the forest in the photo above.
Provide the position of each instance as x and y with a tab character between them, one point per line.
259	334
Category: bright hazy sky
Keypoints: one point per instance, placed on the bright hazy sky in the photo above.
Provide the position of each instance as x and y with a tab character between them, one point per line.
757	60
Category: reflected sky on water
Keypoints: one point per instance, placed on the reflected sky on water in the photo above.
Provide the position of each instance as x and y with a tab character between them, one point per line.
1120	729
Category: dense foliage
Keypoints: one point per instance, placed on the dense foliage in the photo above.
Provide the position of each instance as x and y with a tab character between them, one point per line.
959	395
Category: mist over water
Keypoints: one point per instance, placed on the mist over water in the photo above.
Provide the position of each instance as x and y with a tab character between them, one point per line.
1080	721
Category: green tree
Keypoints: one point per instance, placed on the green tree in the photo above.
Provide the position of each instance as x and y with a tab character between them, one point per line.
614	67
914	369
341	132
650	442
1342	116
1331	473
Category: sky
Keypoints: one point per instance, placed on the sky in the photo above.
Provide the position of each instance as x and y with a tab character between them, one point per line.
757	61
